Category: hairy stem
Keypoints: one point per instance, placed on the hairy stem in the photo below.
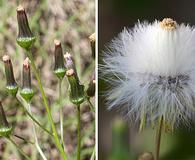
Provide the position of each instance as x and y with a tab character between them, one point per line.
158	138
35	136
19	149
45	101
78	133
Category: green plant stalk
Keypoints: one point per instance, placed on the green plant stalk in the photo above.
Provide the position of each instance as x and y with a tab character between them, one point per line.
158	138
25	140
19	149
56	138
61	113
35	136
90	104
33	119
78	132
93	154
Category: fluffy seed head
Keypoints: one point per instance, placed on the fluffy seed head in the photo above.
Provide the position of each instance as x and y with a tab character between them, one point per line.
151	73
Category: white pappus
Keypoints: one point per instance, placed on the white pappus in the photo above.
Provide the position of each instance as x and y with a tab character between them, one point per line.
151	70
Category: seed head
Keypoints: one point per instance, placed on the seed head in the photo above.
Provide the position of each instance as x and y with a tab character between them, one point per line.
150	72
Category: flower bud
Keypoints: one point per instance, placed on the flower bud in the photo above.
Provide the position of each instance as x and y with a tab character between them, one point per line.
91	87
27	92
92	42
76	93
25	37
11	86
146	156
5	128
59	68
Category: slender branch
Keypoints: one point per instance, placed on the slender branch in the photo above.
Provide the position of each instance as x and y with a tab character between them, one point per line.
19	149
78	133
90	104
158	138
61	113
18	98
35	136
93	154
56	138
25	140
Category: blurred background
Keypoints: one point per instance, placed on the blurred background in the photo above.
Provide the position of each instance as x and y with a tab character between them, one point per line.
116	137
72	22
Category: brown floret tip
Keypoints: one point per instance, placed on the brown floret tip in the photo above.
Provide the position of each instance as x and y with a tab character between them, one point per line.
70	72
57	42
92	37
6	58
168	24
20	8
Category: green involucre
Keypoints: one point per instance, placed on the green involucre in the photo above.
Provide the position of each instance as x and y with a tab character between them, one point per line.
76	93
27	94
5	131
13	89
60	72
26	42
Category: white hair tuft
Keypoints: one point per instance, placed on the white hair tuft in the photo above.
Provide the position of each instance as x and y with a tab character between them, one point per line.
151	70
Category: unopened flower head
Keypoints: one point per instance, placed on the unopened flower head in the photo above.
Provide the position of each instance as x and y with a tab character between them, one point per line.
11	85
91	87
76	92
59	68
5	128
92	40
27	92
151	70
25	37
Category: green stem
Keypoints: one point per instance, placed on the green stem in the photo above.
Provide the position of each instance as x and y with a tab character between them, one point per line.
56	138
35	136
19	149
93	154
90	105
158	138
78	133
25	140
24	108
61	113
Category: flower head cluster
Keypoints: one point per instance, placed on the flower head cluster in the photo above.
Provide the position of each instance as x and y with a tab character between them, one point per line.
151	69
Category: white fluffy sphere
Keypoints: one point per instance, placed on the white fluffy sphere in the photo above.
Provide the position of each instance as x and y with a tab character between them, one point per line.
151	70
